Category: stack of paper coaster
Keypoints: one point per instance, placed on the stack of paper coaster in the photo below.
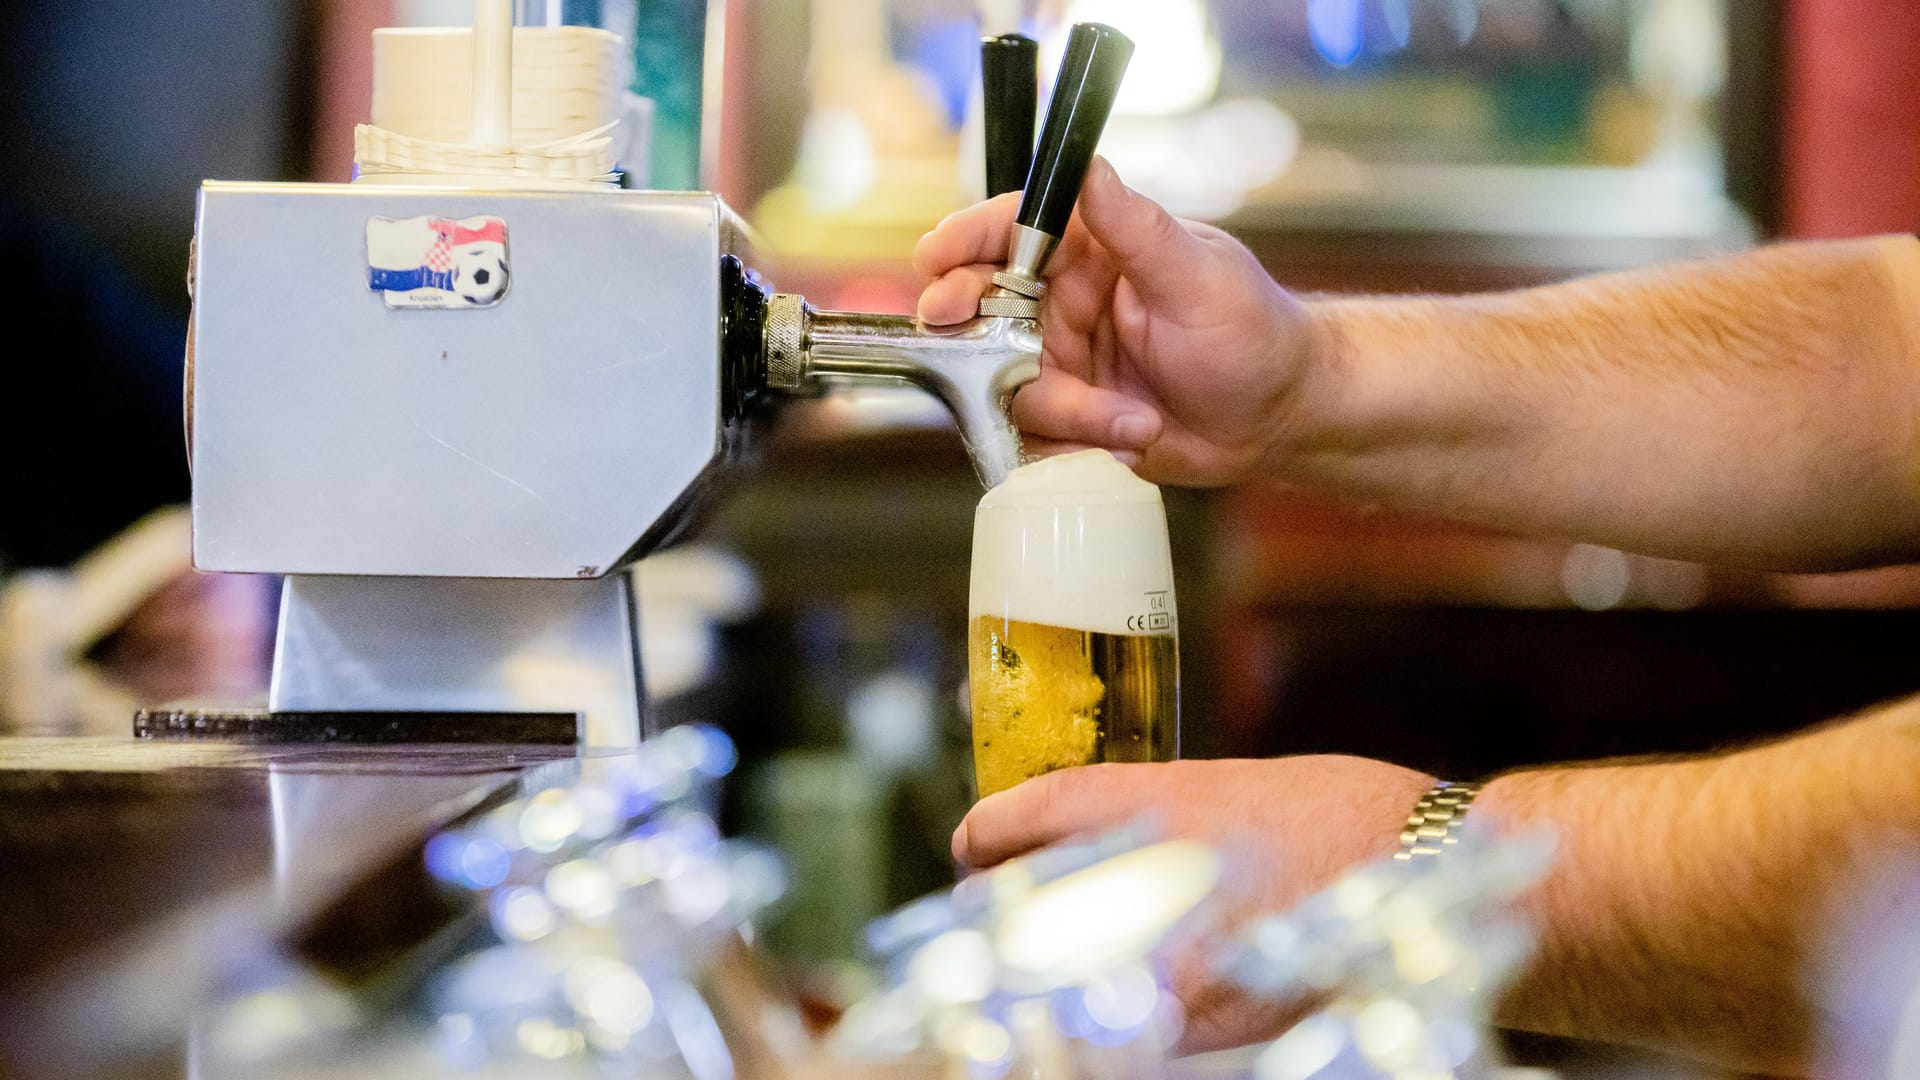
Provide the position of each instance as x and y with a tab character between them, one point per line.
568	84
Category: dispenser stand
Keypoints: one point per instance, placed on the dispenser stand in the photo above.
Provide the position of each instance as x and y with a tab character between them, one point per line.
462	645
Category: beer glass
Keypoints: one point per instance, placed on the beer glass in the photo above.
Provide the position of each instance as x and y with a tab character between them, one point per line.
1072	647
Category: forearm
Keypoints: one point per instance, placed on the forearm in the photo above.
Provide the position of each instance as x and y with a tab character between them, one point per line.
1762	409
1732	908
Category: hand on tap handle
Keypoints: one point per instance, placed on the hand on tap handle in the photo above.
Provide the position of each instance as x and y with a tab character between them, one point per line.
1157	332
975	369
1083	94
1163	341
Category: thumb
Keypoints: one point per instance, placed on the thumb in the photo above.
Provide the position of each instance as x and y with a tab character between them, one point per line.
1154	251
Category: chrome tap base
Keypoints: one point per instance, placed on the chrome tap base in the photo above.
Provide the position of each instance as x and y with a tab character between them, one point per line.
973	367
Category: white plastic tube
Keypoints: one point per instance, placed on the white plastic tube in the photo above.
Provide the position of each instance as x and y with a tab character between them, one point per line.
491	124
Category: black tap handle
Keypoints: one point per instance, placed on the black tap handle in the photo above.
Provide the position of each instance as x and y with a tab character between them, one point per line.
1010	77
1083	95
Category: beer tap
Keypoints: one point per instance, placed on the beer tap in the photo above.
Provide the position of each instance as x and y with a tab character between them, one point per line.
975	367
478	583
1083	94
1010	79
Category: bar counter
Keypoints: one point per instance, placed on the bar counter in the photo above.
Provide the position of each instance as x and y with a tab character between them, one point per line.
137	876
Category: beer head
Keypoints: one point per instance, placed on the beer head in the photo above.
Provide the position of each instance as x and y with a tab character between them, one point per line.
1074	541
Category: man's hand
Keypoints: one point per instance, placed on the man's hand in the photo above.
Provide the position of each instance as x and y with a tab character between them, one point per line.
1759	409
1292	825
1165	340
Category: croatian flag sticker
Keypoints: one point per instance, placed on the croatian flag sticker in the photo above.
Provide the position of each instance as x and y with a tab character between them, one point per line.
434	262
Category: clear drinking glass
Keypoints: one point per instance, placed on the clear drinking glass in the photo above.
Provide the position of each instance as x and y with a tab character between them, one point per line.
1072	646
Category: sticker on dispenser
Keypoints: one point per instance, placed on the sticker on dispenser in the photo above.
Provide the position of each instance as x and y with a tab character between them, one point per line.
435	262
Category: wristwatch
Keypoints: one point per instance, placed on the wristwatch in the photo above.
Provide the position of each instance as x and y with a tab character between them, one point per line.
1435	821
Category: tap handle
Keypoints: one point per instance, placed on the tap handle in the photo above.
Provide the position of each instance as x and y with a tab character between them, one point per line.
1010	77
1083	95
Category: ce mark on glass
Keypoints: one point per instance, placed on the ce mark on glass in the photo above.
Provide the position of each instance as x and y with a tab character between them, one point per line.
1157	617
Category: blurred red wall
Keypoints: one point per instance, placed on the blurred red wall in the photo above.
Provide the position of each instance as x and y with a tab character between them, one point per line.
344	96
1852	138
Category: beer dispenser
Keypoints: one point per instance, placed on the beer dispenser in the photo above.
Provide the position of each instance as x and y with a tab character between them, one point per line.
452	465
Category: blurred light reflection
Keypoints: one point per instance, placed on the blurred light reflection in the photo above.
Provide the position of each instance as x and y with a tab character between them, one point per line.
1336	27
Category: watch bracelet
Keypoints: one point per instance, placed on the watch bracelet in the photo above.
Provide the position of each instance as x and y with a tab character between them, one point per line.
1435	821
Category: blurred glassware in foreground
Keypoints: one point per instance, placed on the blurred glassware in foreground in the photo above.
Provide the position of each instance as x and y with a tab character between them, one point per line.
1049	966
1041	967
1408	959
602	926
604	932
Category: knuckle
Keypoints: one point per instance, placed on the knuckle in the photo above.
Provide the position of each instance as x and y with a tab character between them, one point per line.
1164	230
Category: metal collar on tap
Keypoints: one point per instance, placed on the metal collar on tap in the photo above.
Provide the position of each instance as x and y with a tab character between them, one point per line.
1020	286
787	341
1026	258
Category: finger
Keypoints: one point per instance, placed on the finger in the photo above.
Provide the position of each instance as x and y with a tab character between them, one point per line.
1154	251
1051	808
977	234
1058	406
955	296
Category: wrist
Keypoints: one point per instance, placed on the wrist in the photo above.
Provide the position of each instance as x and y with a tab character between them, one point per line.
1363	384
1360	805
1394	396
1320	356
1387	808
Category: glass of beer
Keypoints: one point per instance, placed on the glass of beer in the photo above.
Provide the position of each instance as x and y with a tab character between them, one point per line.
1072	648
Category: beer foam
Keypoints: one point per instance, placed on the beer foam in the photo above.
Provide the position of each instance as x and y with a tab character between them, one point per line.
1076	541
1089	476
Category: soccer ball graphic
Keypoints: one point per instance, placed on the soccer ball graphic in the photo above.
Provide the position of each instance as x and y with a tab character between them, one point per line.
480	273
